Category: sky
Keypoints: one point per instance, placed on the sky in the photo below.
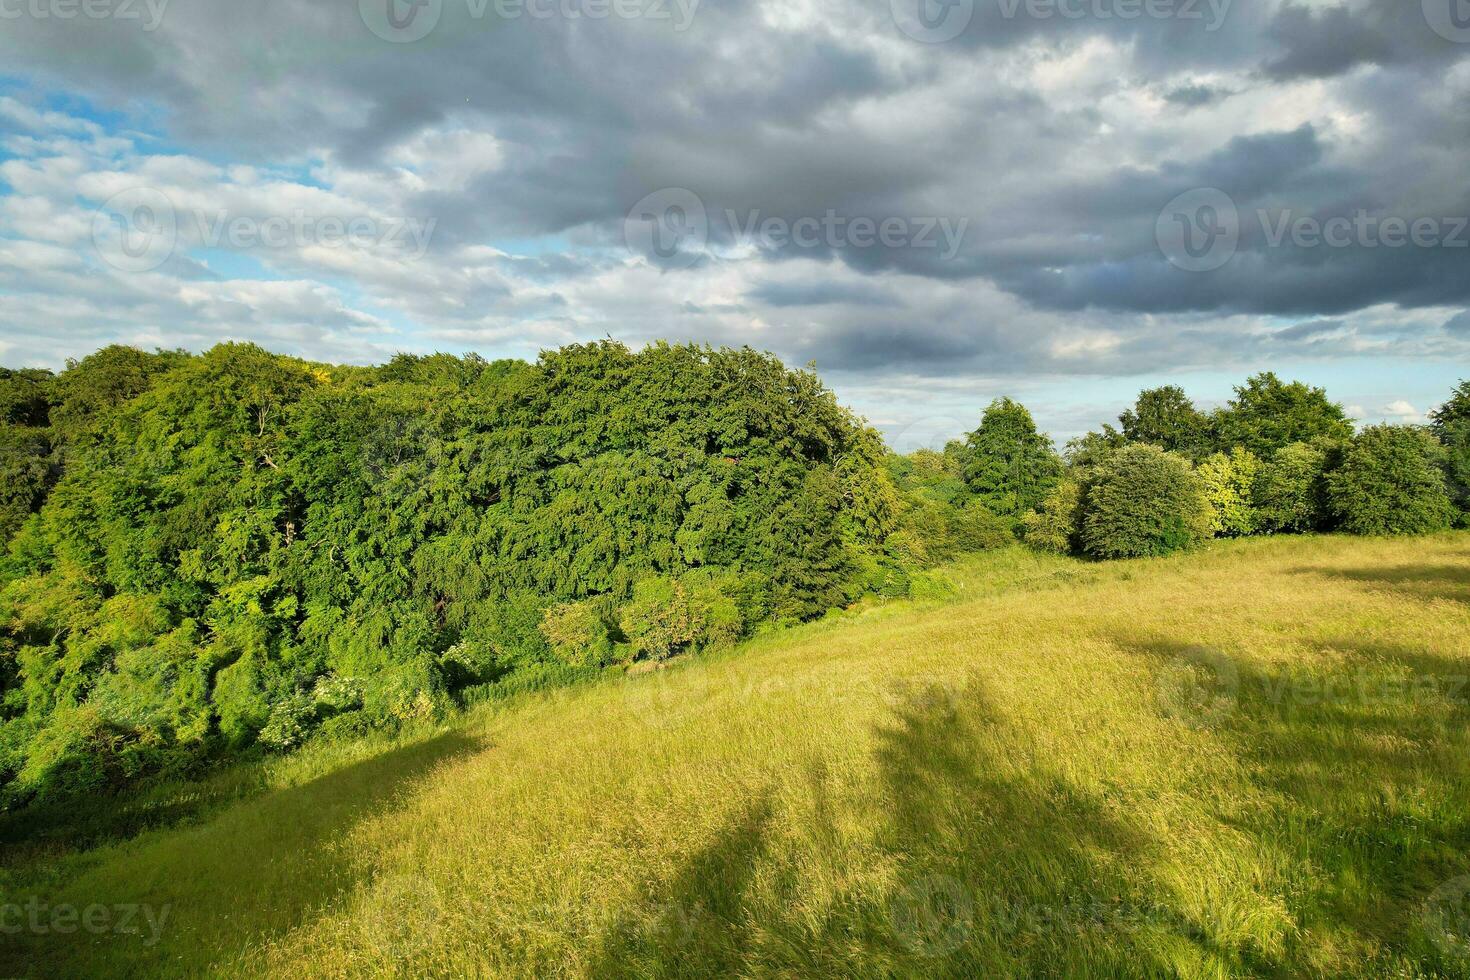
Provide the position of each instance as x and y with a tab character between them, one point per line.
938	202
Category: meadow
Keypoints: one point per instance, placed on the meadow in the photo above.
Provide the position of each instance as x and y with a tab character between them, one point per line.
1250	760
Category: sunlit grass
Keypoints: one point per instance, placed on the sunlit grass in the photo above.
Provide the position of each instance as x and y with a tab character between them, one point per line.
1242	762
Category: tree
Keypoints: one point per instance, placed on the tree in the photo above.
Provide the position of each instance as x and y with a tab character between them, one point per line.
1143	502
1390	482
1267	414
1165	417
1451	425
1094	447
1452	412
1010	466
1055	525
232	528
1229	483
1290	493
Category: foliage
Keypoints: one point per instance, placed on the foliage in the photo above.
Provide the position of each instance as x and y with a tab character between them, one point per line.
1454	411
1290	490
1229	485
1267	414
1009	464
1056	525
1390	482
1094	448
1165	417
1451	425
227	530
584	634
669	616
1144	501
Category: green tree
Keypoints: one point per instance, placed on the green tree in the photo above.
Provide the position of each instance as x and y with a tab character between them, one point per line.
1290	492
1268	413
1390	482
1094	448
1055	526
1229	484
1165	417
1143	502
1451	425
1010	466
234	527
1455	410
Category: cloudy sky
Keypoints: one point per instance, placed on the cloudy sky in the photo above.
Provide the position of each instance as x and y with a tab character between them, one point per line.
937	201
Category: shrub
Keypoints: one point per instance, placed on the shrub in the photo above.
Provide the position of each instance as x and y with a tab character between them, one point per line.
291	721
1229	483
1390	482
581	633
1290	493
334	695
1143	501
1456	439
1451	424
1055	525
669	616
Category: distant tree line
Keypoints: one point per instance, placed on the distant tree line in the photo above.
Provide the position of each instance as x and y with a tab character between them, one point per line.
206	555
1279	458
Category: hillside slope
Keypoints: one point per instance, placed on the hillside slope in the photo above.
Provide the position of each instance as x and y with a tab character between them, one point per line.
1252	760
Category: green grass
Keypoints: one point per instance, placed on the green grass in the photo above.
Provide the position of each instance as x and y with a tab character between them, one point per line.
1252	761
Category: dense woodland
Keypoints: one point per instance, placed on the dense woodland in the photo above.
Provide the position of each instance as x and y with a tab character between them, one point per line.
234	552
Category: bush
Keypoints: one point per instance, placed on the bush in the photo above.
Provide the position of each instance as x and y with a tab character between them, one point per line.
291	721
1143	501
582	634
1056	524
1390	482
1229	483
1290	491
1456	439
670	616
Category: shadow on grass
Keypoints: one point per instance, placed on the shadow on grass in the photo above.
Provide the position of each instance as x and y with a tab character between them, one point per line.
1363	755
254	872
1426	581
997	868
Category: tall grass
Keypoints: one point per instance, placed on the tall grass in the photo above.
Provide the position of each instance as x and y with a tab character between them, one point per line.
1249	761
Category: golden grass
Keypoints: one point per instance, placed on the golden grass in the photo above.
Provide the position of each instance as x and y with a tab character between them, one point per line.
1248	761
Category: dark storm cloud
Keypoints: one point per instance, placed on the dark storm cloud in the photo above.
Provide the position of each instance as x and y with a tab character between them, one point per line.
1310	330
1326	41
783	294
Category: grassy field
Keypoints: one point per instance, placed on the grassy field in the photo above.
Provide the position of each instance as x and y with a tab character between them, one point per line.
1252	761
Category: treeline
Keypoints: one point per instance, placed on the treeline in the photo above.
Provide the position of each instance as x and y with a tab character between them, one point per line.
1280	458
238	551
209	553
